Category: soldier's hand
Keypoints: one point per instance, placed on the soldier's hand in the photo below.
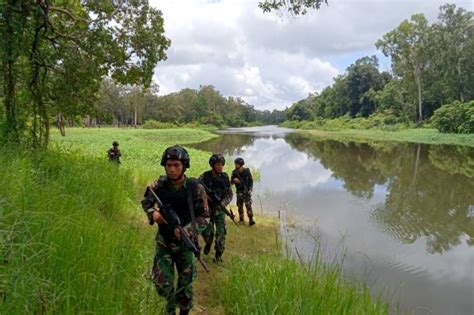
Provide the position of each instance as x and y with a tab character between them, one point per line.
158	218
177	234
236	181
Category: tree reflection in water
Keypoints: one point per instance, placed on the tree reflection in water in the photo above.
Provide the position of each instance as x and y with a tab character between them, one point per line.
430	189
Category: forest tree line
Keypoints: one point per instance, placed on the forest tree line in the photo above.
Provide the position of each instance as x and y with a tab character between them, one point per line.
432	65
131	105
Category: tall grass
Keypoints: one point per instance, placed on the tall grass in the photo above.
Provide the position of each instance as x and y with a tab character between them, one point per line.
70	242
141	148
271	284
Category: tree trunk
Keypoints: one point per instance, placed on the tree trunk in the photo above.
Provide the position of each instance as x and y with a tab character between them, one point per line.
461	85
135	115
420	104
60	124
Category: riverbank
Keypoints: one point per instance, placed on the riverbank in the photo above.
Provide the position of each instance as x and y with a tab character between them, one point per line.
74	240
426	136
256	278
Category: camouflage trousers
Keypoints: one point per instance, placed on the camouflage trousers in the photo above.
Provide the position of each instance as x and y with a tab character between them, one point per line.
163	274
216	229
244	198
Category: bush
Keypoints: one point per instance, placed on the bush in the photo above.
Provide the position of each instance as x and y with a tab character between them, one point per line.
153	124
456	117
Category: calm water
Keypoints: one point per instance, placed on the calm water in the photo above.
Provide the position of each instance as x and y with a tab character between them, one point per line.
402	213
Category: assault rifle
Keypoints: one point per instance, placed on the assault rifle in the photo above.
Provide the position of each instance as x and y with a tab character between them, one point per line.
218	201
172	218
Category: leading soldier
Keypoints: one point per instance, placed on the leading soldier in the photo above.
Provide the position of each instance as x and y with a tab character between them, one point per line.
188	199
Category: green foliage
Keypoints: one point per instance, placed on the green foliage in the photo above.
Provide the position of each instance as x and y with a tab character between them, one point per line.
381	120
432	65
141	148
295	7
121	105
456	117
278	285
153	124
70	237
55	55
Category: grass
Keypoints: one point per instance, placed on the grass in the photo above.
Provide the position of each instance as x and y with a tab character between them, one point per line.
141	148
428	136
73	239
258	279
67	242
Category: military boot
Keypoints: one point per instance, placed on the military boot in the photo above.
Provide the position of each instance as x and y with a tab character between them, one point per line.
241	221
251	221
207	248
183	312
218	258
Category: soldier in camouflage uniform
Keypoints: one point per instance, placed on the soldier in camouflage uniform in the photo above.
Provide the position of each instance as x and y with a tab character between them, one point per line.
217	181
114	153
243	181
188	199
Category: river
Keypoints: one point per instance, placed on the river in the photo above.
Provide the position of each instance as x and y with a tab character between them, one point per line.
400	215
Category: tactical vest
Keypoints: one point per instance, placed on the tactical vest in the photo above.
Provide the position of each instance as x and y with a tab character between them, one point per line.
219	184
178	200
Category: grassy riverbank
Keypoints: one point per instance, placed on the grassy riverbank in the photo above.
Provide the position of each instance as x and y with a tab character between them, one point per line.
427	136
73	239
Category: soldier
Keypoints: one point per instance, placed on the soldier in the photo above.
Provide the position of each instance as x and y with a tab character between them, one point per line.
114	153
243	181
218	183
188	199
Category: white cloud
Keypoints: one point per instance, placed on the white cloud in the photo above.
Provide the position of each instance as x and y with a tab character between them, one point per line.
273	61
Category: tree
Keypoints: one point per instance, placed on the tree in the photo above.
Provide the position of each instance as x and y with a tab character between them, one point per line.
453	41
55	55
295	7
299	111
363	79
407	45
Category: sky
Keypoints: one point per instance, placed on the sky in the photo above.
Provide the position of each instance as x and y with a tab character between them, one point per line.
273	60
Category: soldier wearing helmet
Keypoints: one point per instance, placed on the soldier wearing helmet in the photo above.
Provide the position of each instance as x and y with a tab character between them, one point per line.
187	197
243	181
114	153
217	181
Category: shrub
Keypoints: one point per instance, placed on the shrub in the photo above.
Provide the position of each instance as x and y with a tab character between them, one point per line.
153	124
456	117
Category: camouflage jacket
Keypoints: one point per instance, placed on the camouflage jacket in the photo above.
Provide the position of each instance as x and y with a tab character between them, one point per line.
245	178
219	184
177	199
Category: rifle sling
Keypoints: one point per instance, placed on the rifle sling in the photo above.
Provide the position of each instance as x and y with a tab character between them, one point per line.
191	210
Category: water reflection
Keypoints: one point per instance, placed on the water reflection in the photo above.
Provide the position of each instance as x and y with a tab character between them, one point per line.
405	211
426	195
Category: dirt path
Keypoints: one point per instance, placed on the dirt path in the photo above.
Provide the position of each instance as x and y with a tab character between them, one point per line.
241	242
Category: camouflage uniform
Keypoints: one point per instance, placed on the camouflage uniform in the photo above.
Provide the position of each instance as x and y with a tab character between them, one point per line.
171	252
114	155
220	185
244	192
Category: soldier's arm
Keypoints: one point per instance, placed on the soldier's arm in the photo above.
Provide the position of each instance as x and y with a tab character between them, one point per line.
250	180
119	153
228	196
232	177
148	201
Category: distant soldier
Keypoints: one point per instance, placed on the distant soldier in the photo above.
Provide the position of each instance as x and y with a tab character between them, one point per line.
218	183
114	153
187	198
243	181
